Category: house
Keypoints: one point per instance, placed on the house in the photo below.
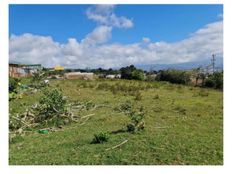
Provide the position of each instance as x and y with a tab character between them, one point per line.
23	70
113	76
79	75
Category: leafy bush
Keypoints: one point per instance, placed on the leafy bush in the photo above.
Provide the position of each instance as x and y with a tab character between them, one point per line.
210	83
136	116
138	74
125	107
13	84
38	78
131	127
215	81
52	103
100	138
174	76
137	122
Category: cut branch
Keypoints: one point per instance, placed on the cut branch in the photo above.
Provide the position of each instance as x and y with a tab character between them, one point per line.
111	148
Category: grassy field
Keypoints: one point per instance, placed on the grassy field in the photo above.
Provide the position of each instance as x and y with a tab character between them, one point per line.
183	126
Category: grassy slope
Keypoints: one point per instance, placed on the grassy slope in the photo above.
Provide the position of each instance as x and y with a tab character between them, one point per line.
182	127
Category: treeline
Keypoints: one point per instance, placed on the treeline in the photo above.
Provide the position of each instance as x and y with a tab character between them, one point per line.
174	76
128	72
214	80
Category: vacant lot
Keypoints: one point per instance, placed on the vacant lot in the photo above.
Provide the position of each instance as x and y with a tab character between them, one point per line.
183	125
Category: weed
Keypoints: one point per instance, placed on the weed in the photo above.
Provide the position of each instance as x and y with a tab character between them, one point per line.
131	127
100	138
138	96
180	109
156	97
157	109
125	107
137	122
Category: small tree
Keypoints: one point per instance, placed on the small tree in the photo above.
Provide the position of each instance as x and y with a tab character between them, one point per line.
138	74
130	72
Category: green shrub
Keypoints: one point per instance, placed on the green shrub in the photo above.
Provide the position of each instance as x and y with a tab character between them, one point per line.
13	84
100	138
215	81
131	127
125	107
137	122
138	74
51	104
210	83
174	76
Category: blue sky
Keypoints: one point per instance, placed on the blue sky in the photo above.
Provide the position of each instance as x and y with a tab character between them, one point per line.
119	25
158	22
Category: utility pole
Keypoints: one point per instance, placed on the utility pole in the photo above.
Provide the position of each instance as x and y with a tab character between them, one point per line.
213	61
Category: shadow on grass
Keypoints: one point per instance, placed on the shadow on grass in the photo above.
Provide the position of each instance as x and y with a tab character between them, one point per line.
118	131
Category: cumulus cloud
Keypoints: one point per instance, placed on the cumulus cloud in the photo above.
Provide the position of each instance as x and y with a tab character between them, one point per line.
99	35
104	15
94	51
29	48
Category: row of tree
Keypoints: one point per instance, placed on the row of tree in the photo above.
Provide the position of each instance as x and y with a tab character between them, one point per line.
214	80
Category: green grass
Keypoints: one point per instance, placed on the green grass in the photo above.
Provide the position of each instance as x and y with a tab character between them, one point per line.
183	125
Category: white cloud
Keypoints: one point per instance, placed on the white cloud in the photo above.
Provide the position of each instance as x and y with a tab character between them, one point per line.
146	39
94	50
29	48
99	35
104	15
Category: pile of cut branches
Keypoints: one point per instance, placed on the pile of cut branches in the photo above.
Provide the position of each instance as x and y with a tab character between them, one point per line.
53	110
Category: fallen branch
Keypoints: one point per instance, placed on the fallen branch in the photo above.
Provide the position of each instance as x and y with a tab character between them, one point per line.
20	121
55	110
87	116
85	121
111	148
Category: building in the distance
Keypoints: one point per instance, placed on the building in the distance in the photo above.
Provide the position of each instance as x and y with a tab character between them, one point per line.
59	68
79	75
23	70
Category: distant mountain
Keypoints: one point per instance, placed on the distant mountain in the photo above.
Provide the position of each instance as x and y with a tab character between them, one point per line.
181	66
